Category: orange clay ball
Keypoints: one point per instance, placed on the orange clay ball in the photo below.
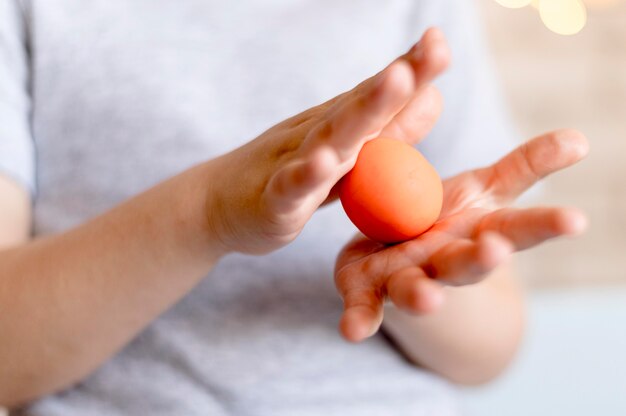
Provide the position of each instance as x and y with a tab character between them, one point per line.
392	194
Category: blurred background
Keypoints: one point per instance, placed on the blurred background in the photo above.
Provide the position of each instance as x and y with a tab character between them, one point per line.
574	359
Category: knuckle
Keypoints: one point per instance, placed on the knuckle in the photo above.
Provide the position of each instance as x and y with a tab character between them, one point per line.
369	265
528	158
360	297
277	184
325	130
361	102
287	149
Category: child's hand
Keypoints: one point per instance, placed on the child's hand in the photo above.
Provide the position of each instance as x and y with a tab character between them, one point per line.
264	192
475	233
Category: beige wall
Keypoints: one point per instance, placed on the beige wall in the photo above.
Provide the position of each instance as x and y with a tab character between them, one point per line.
579	81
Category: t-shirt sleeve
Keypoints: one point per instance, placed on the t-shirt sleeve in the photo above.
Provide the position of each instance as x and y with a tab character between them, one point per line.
475	128
16	143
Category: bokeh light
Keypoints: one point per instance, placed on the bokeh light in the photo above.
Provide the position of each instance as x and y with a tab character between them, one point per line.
601	4
565	17
514	4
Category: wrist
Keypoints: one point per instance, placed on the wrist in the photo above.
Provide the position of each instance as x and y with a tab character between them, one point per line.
194	217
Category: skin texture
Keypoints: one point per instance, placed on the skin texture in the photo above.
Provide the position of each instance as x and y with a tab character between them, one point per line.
70	301
471	338
314	150
476	233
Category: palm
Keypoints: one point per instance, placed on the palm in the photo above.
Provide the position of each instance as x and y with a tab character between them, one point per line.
476	232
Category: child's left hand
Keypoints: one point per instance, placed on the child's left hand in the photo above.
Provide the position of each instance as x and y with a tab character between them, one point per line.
475	233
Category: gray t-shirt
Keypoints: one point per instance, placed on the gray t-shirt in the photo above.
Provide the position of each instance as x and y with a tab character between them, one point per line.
101	99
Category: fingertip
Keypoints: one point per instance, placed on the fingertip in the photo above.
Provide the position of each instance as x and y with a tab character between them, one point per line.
426	296
438	54
435	49
358	324
351	332
571	222
430	56
492	250
559	149
575	141
433	32
431	35
414	292
432	297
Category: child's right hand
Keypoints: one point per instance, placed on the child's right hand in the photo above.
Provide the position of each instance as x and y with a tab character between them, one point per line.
263	193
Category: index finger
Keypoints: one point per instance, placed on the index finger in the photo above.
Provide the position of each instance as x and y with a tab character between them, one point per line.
534	160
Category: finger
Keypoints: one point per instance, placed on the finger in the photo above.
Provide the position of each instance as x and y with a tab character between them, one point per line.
411	290
417	118
534	160
364	115
429	57
363	314
529	227
465	261
299	179
426	59
357	248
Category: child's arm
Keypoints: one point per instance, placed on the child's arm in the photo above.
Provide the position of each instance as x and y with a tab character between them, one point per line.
472	337
70	301
468	333
15	213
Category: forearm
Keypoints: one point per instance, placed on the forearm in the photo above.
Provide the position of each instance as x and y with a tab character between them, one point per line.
15	213
68	302
472	338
